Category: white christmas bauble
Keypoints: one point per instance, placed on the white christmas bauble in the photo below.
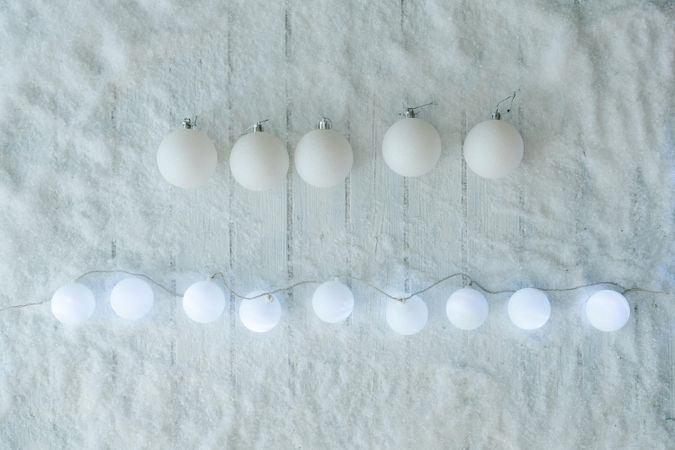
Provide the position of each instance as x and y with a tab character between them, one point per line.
187	158
323	158
607	310
411	147
407	317
467	309
259	161
529	308
260	314
204	301
132	298
493	149
73	304
333	302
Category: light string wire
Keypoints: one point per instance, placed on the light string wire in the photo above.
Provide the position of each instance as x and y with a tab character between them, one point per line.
467	279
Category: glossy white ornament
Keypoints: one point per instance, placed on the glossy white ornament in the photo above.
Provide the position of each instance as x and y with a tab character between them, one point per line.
132	298
333	302
204	301
467	309
323	157
411	147
73	304
408	317
259	160
187	158
260	314
607	310
493	149
529	308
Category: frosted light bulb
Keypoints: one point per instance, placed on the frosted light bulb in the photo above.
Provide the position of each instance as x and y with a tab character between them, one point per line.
132	298
260	314
333	302
467	309
259	160
73	304
529	308
607	310
323	157
411	147
204	302
493	149
407	317
187	158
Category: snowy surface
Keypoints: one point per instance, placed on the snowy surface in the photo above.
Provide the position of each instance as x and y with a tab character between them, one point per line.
88	90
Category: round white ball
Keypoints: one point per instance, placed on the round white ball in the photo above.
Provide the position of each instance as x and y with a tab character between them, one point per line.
333	302
607	310
187	158
467	309
411	147
204	302
260	314
493	149
323	158
259	161
132	298
408	317
73	304
529	308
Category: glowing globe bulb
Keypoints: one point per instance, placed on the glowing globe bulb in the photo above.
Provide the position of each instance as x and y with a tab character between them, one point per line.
493	149
529	308
187	158
607	310
259	161
73	304
260	314
132	298
407	317
333	302
204	302
467	309
411	147
323	157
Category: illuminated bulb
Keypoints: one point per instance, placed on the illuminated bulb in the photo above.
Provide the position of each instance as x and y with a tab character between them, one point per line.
607	310
204	302
260	314
407	317
411	147
73	304
467	309
323	157
259	160
187	158
493	149
333	302
529	308
132	298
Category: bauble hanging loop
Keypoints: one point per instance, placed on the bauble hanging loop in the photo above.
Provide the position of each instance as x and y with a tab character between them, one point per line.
323	157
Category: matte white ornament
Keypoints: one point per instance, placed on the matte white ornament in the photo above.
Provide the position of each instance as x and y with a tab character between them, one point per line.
323	157
607	310
187	158
467	309
73	304
407	317
204	302
333	302
132	298
259	160
493	149
260	314
411	147
529	308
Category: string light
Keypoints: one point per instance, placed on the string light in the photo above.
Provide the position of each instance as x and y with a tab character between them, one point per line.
204	302
407	317
529	309
607	310
260	312
333	302
467	309
132	298
73	304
